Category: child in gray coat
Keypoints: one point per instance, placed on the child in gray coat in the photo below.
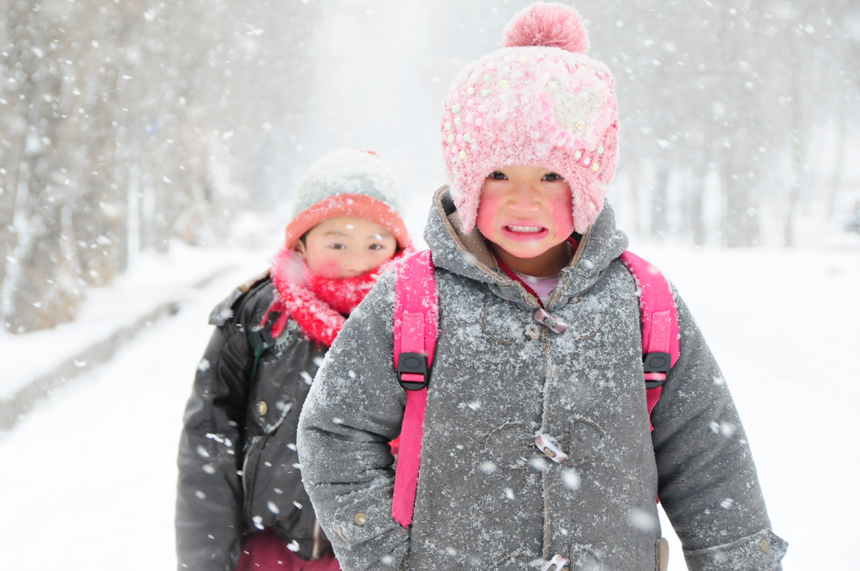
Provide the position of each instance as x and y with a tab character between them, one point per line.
530	141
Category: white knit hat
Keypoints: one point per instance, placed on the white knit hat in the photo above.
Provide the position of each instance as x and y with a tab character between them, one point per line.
347	182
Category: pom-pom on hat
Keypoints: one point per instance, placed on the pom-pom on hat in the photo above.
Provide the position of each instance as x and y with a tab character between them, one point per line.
346	182
538	101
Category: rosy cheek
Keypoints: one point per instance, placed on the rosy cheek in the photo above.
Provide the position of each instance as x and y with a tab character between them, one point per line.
488	209
561	212
327	267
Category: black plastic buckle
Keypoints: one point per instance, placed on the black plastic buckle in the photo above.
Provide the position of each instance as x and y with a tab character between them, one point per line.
656	363
414	364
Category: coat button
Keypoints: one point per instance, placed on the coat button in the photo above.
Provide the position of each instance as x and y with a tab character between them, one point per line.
765	546
360	518
262	408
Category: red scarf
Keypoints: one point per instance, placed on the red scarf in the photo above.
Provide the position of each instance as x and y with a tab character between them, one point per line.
342	295
319	305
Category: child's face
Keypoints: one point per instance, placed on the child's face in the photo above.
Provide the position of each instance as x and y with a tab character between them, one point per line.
525	210
345	247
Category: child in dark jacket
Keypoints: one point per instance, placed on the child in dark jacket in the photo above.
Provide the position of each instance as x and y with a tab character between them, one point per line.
241	504
530	142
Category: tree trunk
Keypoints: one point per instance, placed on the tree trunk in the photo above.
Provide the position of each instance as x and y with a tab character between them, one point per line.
792	193
696	204
37	292
740	206
660	202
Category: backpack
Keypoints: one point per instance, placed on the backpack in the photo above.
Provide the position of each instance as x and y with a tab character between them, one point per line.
416	318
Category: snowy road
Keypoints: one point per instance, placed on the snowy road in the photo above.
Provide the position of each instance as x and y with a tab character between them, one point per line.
88	479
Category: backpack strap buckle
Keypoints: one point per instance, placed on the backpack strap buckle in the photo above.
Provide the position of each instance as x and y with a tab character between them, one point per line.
656	366
260	339
657	362
412	371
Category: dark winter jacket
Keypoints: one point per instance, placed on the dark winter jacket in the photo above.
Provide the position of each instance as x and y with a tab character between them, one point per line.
238	469
487	498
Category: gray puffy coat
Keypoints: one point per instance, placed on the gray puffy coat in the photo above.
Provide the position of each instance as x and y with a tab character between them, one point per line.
487	498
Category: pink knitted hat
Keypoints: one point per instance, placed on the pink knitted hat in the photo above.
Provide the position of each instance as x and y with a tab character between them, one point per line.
538	101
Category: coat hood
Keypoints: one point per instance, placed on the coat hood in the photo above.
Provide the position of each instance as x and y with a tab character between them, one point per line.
467	254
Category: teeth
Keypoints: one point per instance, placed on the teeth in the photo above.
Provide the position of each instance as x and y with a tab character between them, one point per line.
524	228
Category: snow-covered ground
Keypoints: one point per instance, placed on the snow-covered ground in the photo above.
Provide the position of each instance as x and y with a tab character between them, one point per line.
152	280
88	479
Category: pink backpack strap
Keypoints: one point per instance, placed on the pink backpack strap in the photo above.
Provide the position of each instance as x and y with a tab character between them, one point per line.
660	345
416	317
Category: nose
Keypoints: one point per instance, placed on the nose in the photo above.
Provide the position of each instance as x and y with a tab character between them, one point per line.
358	265
524	199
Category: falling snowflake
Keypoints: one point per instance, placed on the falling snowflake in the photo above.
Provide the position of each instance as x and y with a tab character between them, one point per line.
571	479
642	520
727	429
537	462
488	467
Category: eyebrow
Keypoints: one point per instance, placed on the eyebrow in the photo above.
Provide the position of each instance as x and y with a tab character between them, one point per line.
375	236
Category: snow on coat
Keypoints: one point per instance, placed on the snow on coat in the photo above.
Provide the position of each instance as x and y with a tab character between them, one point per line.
238	467
487	498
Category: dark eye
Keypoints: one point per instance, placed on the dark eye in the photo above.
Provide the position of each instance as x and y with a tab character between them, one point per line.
498	175
337	246
552	177
376	246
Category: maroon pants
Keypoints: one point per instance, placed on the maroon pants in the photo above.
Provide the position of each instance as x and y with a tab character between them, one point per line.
265	551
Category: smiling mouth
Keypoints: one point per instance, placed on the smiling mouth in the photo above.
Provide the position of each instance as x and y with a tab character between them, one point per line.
524	229
524	233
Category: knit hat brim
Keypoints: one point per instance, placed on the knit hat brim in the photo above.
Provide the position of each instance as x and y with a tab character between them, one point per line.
354	205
